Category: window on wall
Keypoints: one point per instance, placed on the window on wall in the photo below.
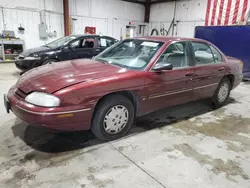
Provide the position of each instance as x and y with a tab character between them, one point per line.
176	54
203	54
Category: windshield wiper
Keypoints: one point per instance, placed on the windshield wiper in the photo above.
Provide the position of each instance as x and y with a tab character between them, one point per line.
101	60
119	65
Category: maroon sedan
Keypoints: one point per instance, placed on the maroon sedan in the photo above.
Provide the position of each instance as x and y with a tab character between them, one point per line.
132	78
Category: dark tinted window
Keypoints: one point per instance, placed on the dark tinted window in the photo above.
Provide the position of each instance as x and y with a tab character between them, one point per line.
88	43
83	43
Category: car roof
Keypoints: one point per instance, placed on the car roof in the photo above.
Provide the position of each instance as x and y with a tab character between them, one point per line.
89	35
169	39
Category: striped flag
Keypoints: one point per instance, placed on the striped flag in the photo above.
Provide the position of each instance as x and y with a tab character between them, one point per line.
226	12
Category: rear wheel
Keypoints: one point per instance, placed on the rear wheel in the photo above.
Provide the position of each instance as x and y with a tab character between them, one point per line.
222	93
113	117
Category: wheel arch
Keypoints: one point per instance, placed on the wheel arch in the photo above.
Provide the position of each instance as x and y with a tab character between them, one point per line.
131	95
230	77
50	58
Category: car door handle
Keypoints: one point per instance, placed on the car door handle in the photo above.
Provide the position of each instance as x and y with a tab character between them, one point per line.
189	74
97	50
221	69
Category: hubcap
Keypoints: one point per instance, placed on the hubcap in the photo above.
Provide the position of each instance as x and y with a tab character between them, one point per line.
116	119
223	92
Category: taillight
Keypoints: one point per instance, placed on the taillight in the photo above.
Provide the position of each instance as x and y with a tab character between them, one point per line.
241	64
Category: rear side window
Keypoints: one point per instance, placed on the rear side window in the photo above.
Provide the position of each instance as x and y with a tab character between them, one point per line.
217	55
106	42
203	54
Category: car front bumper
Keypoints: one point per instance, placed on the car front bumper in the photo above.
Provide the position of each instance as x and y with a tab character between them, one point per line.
52	118
25	65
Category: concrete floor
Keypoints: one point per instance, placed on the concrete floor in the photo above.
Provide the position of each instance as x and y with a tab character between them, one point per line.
186	146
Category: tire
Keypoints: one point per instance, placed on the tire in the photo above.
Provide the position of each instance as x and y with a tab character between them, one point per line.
48	61
221	94
112	118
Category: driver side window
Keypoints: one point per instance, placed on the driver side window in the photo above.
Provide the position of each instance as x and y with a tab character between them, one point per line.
175	54
74	44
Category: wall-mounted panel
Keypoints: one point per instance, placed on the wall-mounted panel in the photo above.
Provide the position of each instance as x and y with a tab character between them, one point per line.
188	15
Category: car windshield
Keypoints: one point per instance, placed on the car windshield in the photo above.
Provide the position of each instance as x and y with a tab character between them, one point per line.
60	41
131	54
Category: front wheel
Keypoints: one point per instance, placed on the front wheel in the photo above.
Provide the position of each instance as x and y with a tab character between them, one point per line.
112	118
222	93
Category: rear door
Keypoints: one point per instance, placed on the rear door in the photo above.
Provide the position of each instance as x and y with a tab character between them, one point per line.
103	43
209	69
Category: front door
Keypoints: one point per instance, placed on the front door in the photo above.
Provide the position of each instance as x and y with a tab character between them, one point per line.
82	48
209	69
171	87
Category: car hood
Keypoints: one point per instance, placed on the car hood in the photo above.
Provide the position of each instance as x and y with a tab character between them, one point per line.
40	49
53	77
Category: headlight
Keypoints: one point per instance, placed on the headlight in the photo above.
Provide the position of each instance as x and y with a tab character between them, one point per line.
42	99
32	57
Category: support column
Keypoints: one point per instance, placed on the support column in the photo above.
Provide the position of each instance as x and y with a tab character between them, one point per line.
66	17
147	11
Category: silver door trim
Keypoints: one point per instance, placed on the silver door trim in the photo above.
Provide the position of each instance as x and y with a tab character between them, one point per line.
182	91
168	93
209	85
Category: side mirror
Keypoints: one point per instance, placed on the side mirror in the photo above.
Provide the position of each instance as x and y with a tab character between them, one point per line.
66	48
163	66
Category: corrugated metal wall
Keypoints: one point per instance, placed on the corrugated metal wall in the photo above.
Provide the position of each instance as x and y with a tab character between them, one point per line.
108	16
78	25
29	19
188	14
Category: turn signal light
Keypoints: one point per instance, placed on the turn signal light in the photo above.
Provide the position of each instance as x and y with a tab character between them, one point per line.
241	65
64	115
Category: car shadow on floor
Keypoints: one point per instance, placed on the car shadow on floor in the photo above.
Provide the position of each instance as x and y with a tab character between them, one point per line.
49	141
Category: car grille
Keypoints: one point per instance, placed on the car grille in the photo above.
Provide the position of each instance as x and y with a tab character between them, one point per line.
20	94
